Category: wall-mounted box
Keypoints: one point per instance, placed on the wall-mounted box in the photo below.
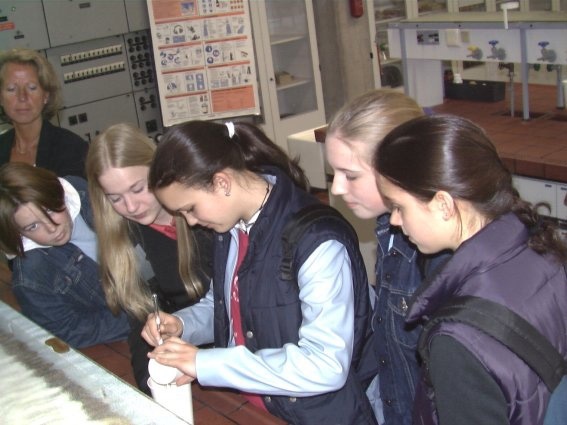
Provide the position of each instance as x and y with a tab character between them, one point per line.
71	21
22	24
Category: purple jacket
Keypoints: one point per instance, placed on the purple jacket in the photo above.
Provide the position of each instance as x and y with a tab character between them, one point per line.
497	264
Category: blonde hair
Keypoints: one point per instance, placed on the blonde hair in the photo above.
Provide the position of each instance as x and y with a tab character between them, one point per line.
120	146
46	75
366	120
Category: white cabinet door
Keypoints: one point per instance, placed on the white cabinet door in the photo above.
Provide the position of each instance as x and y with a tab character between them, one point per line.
288	66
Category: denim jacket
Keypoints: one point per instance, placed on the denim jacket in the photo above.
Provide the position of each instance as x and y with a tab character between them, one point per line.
59	288
400	269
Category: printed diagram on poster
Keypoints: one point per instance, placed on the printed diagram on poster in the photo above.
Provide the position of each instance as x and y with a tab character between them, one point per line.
204	59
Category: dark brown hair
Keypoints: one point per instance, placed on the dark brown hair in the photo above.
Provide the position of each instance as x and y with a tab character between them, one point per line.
452	154
193	152
22	183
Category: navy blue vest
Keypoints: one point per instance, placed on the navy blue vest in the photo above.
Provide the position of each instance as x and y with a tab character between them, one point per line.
271	313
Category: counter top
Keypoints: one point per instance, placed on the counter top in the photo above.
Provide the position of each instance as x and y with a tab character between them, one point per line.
544	161
111	363
528	148
45	380
534	148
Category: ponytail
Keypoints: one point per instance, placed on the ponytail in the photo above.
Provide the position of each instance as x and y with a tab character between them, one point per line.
193	152
544	234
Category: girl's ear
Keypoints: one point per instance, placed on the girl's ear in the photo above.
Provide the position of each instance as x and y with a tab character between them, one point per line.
222	183
445	204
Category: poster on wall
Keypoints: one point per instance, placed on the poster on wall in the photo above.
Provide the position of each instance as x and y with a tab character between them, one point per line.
204	57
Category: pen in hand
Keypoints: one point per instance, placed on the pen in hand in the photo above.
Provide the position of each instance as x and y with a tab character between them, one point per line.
156	316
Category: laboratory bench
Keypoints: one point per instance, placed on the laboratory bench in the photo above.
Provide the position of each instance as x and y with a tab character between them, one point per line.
97	381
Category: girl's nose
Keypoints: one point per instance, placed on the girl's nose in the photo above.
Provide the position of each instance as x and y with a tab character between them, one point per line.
337	188
190	219
51	228
395	219
131	204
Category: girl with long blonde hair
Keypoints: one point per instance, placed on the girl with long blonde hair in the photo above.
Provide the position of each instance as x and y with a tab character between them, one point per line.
143	249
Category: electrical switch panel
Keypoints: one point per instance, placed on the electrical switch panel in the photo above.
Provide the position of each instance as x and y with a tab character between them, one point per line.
91	70
88	55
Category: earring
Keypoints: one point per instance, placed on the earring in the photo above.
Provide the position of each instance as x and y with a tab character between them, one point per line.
227	193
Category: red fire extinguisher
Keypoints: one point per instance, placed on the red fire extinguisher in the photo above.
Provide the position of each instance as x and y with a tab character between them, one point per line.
356	8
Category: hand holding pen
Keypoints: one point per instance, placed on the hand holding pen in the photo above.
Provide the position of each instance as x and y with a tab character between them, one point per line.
156	316
161	326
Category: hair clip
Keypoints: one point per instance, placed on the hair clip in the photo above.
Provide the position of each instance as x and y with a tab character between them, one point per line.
230	126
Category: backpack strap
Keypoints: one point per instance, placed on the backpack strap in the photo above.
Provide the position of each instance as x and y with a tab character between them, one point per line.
297	226
504	325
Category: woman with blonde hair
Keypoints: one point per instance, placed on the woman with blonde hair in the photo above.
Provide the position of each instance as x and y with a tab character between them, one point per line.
29	97
143	249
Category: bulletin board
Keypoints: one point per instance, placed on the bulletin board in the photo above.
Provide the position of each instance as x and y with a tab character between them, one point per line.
204	59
